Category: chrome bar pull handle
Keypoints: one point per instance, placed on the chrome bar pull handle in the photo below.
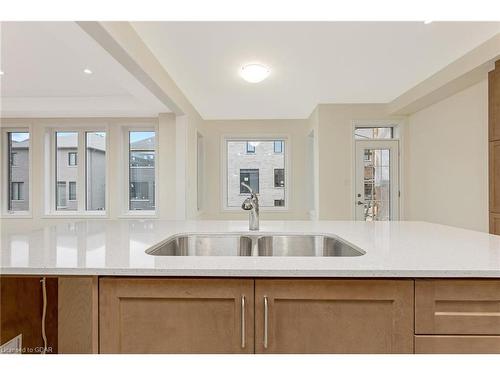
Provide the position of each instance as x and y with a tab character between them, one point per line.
243	308
266	321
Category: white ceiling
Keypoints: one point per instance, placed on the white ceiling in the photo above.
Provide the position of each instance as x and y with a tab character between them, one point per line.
330	62
43	64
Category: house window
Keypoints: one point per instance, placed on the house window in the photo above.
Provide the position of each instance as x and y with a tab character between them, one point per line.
13	159
278	147
251	147
17	191
61	195
249	177
66	145
279	177
363	132
18	172
72	191
257	171
72	159
279	203
95	171
142	154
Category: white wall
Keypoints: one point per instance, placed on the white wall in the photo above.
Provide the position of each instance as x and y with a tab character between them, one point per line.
447	161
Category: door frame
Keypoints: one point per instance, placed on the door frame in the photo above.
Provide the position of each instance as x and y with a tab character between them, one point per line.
395	189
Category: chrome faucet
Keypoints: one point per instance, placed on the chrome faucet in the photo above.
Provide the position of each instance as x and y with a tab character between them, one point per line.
251	204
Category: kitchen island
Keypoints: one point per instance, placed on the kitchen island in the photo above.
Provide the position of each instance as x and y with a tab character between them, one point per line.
418	288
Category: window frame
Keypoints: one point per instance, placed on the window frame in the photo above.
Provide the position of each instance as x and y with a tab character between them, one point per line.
69	159
274	178
287	154
281	147
251	150
50	164
126	212
5	161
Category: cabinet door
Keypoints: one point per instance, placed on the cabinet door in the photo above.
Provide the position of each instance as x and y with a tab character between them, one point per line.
144	315
457	307
334	316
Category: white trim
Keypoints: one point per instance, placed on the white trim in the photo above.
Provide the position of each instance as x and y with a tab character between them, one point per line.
286	138
126	212
4	160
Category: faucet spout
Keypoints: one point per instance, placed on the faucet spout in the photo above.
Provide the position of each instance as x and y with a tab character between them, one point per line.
251	204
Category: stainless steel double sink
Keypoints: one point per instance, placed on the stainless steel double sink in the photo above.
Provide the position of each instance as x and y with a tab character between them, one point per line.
256	245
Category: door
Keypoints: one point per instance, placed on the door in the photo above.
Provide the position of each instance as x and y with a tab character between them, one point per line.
377	180
334	316
148	315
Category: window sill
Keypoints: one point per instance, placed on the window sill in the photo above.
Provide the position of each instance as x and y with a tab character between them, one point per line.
76	215
17	215
139	214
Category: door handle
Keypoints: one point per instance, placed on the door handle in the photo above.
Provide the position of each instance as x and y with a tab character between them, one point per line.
243	308
359	203
266	313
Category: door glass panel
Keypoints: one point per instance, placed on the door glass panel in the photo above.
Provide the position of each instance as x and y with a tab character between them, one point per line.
377	184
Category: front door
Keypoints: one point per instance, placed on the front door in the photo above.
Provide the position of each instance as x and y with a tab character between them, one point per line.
377	180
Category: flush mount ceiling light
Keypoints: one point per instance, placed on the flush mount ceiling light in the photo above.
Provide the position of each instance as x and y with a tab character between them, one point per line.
87	71
427	22
254	73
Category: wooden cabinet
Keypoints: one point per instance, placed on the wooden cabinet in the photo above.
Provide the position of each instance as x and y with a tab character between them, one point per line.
149	315
457	344
461	307
334	316
457	316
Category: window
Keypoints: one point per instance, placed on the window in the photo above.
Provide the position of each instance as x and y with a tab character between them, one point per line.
61	194
66	144
13	159
279	202
142	154
72	191
72	159
386	132
263	172
17	191
18	149
278	147
95	173
251	147
80	170
251	178
279	178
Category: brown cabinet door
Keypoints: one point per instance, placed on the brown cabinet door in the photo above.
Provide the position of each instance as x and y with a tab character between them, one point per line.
457	307
334	316
145	315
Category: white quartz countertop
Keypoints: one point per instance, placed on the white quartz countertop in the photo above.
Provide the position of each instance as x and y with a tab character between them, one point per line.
117	247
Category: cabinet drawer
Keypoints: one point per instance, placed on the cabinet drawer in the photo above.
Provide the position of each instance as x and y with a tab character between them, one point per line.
461	307
457	344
